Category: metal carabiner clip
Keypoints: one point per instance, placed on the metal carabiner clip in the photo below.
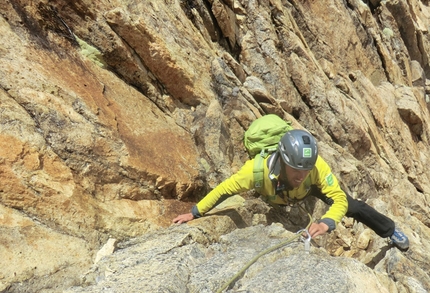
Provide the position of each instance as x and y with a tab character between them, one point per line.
306	240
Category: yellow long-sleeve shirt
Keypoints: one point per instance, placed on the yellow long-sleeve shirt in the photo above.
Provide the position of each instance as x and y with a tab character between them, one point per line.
243	180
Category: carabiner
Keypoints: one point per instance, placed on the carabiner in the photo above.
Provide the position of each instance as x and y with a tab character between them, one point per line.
306	240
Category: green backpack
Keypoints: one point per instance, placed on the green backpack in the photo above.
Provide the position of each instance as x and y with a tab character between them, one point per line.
261	139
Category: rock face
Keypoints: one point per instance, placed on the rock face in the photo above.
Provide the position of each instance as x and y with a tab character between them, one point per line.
179	260
115	116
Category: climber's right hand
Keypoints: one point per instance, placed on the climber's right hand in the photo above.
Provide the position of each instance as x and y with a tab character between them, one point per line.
183	218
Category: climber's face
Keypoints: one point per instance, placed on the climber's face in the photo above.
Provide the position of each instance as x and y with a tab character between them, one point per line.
294	177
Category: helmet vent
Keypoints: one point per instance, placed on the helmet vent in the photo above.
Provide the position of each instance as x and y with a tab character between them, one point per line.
306	139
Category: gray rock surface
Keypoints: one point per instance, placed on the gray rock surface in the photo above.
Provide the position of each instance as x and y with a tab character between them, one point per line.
177	260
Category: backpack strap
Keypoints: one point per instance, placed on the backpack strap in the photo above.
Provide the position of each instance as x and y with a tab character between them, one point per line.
259	168
258	171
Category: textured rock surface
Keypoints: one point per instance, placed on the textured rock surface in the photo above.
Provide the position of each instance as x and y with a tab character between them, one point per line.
115	116
177	260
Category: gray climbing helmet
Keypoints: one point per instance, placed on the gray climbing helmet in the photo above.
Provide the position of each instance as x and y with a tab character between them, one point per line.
298	149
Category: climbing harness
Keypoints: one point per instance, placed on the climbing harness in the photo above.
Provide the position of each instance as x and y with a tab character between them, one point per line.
306	240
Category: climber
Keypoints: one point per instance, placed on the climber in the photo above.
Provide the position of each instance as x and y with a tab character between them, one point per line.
293	172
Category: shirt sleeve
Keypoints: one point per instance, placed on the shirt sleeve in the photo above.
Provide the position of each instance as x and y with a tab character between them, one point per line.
329	186
239	182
